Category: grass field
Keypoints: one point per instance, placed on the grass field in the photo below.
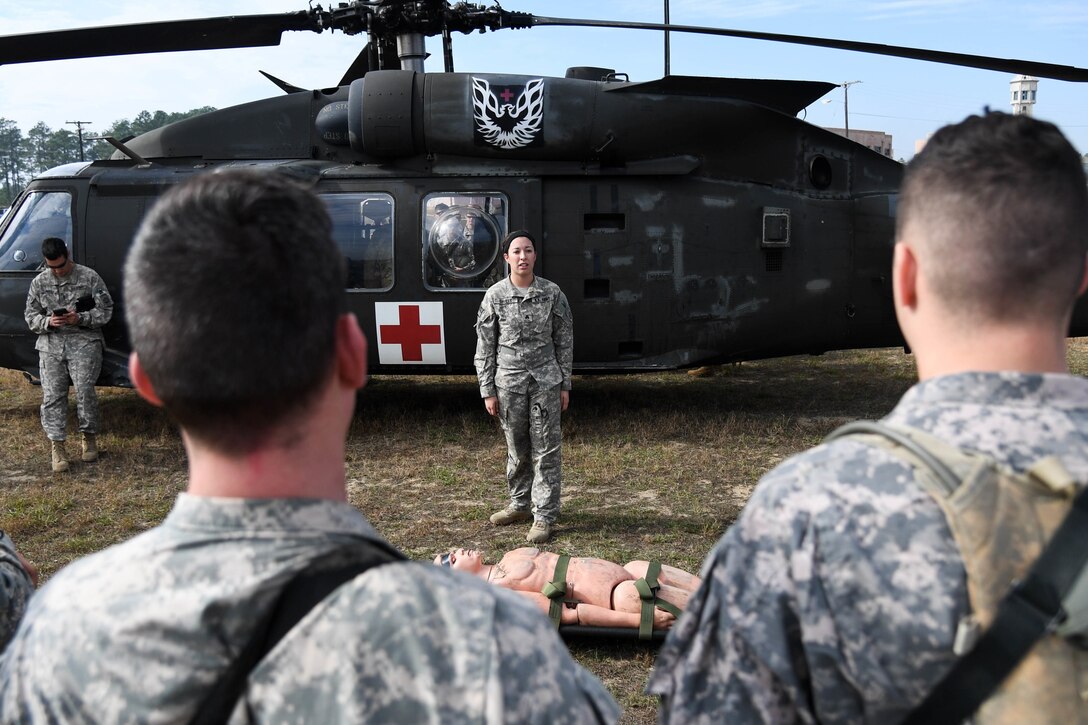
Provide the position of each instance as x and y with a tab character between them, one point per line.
655	467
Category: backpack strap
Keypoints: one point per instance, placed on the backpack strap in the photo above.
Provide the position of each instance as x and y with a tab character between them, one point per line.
1032	608
944	475
1028	612
302	593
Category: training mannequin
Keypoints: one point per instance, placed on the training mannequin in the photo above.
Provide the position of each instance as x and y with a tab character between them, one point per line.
599	593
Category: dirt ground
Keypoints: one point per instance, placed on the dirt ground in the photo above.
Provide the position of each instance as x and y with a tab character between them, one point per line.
655	467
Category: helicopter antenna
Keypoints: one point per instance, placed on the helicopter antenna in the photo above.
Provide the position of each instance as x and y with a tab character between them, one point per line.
122	148
281	84
667	53
447	48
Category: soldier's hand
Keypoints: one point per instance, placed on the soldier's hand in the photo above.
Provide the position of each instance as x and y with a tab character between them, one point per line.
72	318
564	400
57	320
31	570
491	403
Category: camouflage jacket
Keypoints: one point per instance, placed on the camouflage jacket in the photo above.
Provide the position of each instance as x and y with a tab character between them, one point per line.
523	336
139	631
437	647
836	594
15	589
49	292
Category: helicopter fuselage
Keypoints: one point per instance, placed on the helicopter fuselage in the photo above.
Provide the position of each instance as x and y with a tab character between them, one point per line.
689	221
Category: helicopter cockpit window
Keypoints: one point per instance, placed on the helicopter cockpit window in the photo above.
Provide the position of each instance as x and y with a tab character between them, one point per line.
461	236
363	229
42	214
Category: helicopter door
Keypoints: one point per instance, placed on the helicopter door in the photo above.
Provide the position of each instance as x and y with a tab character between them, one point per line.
40	214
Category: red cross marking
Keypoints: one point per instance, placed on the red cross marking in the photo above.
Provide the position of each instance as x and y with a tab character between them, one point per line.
409	334
507	94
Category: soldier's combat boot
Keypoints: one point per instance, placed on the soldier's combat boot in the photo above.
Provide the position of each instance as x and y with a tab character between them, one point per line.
539	533
90	448
509	515
60	457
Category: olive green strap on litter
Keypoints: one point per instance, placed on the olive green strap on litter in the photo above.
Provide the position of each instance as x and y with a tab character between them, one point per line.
556	589
647	590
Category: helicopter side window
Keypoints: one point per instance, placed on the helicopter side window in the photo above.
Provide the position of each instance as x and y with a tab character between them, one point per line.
42	214
461	235
363	229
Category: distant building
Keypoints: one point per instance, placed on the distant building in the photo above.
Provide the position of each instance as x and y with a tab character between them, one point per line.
876	140
1024	91
1023	95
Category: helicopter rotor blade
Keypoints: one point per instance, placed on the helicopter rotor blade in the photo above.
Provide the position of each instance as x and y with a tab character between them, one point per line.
242	31
385	19
1008	65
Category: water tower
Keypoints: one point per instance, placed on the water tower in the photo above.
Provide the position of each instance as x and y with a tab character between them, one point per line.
1023	94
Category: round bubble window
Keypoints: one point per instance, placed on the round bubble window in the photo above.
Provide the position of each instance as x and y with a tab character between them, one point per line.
463	243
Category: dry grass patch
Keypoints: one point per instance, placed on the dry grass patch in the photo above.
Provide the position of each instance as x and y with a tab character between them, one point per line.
655	466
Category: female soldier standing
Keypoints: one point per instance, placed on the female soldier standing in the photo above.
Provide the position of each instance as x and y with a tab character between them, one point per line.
524	354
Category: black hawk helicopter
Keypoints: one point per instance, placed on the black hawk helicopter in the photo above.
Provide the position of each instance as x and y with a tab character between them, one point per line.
690	220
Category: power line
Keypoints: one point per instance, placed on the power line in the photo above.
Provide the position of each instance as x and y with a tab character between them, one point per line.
902	118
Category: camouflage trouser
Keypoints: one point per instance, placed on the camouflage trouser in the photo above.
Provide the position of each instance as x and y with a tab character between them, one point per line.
534	463
83	366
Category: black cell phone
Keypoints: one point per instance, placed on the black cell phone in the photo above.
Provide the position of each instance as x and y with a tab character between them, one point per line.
60	311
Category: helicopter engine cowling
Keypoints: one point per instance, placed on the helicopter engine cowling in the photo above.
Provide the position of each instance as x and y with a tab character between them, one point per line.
482	115
385	114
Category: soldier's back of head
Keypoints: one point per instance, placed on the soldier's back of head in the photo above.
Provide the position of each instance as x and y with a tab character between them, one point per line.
232	291
1000	203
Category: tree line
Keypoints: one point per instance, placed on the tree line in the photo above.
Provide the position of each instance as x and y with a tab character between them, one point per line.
24	156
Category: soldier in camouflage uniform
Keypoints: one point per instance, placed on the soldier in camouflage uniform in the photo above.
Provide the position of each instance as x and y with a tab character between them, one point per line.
69	344
836	595
524	356
142	631
403	645
17	580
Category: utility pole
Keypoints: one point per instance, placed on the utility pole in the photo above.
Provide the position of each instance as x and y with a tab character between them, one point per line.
846	104
79	125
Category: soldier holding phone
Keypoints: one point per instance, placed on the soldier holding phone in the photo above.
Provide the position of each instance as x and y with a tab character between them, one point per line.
67	306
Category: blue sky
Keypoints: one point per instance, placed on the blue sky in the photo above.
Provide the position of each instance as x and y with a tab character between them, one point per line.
908	99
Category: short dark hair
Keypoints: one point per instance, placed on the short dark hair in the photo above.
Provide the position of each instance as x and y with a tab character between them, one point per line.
232	292
54	248
509	238
1000	202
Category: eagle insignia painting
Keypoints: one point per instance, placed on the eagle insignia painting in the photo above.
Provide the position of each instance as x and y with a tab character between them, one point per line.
503	121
